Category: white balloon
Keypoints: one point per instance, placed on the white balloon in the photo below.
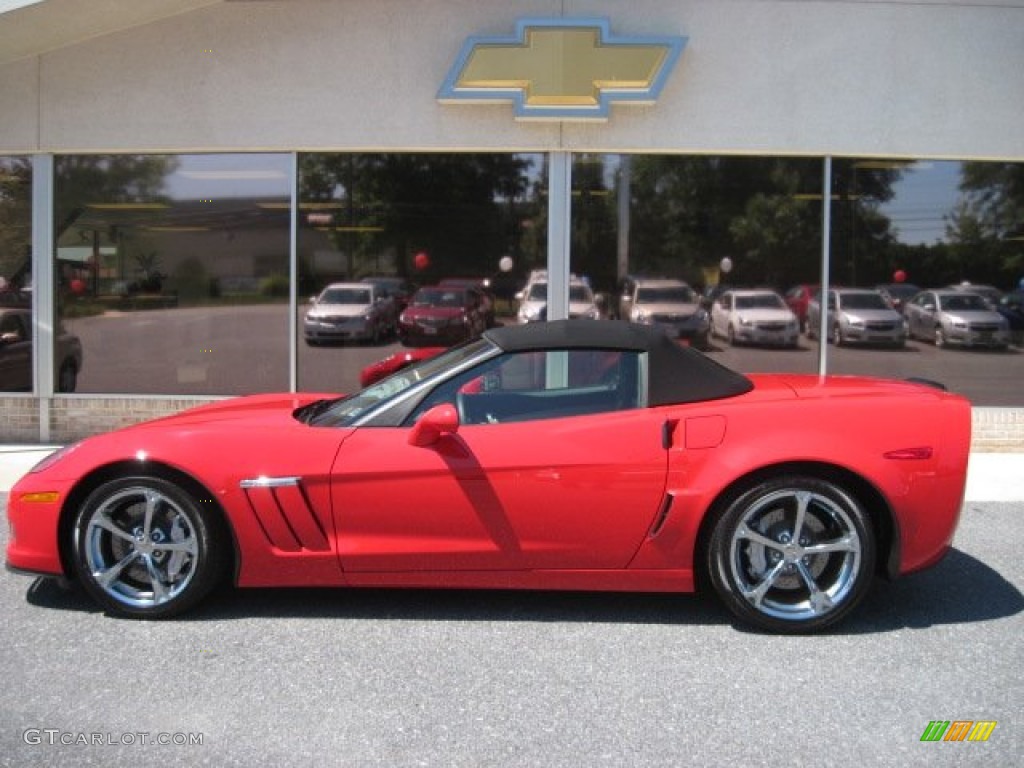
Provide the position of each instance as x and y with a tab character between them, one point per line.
725	265
506	264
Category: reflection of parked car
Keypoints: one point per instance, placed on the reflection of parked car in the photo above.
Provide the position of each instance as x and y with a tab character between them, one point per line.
565	455
398	289
956	317
989	293
798	298
858	316
754	317
533	301
395	362
16	354
897	294
481	286
668	304
1011	306
437	315
346	311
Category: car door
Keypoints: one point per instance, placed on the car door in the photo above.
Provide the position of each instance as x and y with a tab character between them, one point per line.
510	492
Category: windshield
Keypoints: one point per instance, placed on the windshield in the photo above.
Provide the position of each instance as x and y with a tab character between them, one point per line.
344	412
580	293
966	302
675	295
863	301
759	301
345	296
438	297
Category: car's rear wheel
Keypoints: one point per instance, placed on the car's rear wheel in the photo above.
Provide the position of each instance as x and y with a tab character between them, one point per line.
793	554
146	548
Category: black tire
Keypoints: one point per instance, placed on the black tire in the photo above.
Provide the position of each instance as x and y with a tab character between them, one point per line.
940	337
837	336
774	583
146	548
67	377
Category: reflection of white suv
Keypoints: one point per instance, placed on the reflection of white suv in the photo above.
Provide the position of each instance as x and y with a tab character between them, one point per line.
533	299
348	311
668	304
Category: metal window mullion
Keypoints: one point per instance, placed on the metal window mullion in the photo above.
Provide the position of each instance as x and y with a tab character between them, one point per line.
826	257
43	287
559	229
293	280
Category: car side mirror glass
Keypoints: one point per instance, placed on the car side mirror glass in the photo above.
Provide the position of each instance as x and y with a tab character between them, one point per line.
438	421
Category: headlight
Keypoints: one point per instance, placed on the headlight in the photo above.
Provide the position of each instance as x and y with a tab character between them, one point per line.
745	321
854	322
54	457
957	323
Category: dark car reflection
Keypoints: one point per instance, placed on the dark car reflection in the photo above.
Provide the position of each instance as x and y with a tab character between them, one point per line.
16	353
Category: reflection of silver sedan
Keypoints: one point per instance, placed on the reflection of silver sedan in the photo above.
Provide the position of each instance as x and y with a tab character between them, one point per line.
669	304
956	317
345	311
858	316
754	317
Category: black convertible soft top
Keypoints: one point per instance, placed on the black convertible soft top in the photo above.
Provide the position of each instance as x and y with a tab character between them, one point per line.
677	374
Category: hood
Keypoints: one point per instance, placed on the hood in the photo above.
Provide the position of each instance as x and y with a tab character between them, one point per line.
436	312
338	310
259	410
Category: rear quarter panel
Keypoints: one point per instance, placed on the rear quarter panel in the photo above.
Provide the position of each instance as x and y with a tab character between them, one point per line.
850	425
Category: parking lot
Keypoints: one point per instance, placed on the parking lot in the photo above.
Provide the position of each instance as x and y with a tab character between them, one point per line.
196	351
431	678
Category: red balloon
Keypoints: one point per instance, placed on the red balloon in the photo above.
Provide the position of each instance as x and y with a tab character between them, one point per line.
421	260
899	276
77	287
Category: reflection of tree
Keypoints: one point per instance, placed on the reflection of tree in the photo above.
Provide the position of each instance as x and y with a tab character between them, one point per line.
460	209
690	212
987	227
15	218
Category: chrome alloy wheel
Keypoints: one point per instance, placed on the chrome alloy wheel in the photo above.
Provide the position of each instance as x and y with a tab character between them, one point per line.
795	555
140	547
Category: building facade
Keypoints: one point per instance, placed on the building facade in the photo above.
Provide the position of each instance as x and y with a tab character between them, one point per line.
177	180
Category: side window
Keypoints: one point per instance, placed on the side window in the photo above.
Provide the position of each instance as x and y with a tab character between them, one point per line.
529	386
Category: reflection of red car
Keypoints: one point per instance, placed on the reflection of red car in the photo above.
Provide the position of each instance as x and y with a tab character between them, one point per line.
798	299
396	362
574	454
442	315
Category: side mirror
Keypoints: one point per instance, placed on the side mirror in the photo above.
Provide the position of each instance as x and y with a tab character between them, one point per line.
438	421
10	337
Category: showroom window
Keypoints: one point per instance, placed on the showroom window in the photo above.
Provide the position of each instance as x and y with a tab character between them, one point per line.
660	238
902	226
444	240
172	271
16	360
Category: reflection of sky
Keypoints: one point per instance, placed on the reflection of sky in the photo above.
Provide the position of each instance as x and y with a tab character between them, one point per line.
213	177
925	195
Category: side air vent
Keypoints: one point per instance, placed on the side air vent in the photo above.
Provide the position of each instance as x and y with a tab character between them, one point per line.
284	514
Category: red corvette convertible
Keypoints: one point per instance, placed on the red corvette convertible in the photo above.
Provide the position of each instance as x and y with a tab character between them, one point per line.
570	455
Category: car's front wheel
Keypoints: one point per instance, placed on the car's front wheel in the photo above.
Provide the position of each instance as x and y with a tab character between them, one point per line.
793	554
146	548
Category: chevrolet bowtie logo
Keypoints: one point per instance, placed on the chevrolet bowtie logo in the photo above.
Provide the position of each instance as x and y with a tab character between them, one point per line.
561	69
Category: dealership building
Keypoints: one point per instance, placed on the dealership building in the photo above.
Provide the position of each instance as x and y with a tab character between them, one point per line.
179	177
